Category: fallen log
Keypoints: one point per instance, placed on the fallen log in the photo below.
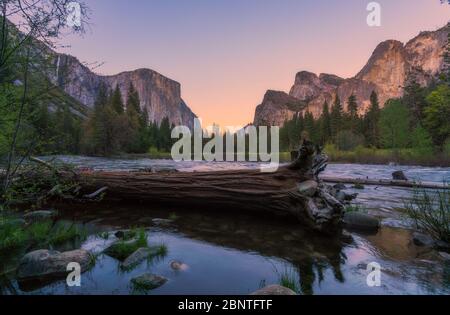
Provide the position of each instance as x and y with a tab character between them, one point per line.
250	190
385	182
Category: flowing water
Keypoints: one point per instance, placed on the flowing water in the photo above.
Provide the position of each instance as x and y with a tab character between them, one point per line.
237	253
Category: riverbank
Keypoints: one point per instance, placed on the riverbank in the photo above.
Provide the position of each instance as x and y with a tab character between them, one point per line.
405	157
384	156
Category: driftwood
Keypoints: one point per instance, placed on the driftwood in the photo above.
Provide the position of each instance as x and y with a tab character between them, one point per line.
250	190
385	182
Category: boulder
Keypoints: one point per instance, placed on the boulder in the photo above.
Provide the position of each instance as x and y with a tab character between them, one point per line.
44	263
274	290
139	256
399	175
178	266
308	188
40	215
148	281
423	240
361	221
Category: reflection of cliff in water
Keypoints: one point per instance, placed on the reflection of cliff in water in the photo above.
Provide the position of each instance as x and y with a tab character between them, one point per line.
279	237
310	254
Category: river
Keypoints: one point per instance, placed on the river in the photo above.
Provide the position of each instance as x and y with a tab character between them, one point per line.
238	253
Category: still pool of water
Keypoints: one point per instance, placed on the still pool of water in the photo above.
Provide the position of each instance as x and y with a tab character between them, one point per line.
238	253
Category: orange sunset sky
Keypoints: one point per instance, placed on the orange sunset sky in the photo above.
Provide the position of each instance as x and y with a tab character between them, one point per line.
227	53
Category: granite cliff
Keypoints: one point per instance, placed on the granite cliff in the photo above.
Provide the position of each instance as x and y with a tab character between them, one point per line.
386	72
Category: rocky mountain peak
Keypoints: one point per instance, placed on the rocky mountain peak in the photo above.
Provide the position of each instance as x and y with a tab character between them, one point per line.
386	72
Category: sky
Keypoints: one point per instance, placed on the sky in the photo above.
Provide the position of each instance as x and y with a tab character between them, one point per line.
227	53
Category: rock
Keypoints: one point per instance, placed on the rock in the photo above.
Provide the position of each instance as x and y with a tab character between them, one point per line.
40	215
308	188
340	195
122	249
346	237
421	239
340	186
179	266
139	256
361	221
399	175
442	246
162	221
358	186
274	290
44	263
159	95
12	223
445	256
148	281
386	72
125	235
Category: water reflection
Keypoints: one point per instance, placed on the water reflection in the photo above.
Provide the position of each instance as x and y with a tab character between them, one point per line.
236	253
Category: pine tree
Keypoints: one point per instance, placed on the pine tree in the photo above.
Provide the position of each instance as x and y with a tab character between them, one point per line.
371	120
414	98
325	123
336	117
116	101
353	117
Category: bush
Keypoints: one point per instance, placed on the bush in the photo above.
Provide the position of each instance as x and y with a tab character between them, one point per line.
431	212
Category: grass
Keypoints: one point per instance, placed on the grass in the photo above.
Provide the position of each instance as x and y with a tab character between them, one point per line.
288	279
44	233
430	212
11	235
61	234
365	155
122	249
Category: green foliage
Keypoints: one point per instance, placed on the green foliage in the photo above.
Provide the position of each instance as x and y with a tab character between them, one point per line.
422	143
394	125
437	114
431	212
14	234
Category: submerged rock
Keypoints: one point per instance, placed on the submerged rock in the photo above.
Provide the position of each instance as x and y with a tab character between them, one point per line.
139	256
40	215
44	263
361	221
308	188
161	221
274	289
148	281
420	239
178	266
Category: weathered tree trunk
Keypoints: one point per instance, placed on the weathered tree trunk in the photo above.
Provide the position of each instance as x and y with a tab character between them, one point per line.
250	190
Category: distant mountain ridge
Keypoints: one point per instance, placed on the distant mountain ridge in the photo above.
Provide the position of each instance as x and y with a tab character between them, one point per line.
386	73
